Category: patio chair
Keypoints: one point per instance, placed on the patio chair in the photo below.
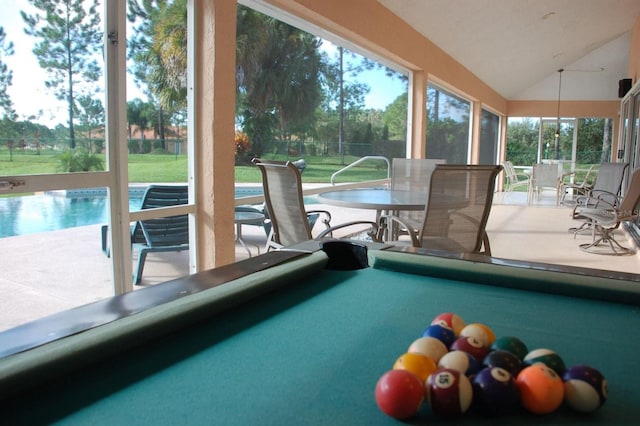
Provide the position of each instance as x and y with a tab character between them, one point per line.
157	235
545	176
513	178
410	174
576	187
290	221
606	187
457	209
606	220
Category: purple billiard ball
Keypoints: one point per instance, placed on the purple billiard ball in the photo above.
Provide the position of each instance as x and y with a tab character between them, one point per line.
495	391
444	334
503	359
585	388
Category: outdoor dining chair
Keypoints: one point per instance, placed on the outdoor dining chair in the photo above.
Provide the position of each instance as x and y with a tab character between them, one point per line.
457	209
545	176
290	223
412	174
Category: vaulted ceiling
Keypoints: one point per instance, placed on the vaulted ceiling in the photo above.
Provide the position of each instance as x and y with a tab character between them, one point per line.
517	46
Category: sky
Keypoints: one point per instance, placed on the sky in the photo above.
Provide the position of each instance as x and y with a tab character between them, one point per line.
31	98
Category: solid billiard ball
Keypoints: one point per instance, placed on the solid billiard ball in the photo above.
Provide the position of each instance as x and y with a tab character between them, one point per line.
495	391
451	321
460	361
449	392
503	359
399	394
585	388
511	344
480	332
429	346
442	333
541	389
547	357
416	363
471	345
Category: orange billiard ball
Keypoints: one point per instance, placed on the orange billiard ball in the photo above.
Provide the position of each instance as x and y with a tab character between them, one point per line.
541	389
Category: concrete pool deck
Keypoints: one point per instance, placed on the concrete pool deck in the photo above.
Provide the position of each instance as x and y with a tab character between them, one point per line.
41	272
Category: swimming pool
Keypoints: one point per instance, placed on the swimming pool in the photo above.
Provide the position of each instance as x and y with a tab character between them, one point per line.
61	210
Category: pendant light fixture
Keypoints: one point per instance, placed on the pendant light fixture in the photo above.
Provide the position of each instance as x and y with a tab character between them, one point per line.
557	135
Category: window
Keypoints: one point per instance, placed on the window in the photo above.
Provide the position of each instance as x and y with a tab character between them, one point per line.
448	126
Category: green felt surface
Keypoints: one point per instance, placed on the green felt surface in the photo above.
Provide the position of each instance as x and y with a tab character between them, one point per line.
311	353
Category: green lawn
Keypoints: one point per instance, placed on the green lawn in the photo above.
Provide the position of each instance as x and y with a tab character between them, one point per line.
171	168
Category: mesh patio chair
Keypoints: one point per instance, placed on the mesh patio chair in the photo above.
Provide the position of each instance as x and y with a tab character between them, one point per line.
545	176
285	203
410	174
607	218
457	209
606	189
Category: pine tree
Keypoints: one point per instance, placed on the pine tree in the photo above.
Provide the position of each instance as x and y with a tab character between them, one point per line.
69	38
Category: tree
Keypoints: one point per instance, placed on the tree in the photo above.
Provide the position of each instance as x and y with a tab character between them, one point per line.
6	77
339	91
69	39
158	48
90	116
277	77
395	117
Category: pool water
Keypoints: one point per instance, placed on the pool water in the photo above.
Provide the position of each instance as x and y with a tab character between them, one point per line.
41	213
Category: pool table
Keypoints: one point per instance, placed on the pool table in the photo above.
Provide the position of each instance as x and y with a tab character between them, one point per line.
284	338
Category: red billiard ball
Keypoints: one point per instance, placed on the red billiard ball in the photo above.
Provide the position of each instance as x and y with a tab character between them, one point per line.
547	357
449	392
585	388
460	361
399	394
495	391
442	333
503	359
471	345
541	389
449	320
511	344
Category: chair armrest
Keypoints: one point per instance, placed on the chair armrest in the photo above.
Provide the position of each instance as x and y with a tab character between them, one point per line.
388	223
597	198
374	233
326	220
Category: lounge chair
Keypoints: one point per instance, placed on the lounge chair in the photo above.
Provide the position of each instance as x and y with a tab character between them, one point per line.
457	209
290	221
157	235
607	218
576	187
513	178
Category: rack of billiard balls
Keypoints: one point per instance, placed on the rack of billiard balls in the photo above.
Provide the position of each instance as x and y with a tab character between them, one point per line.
454	366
